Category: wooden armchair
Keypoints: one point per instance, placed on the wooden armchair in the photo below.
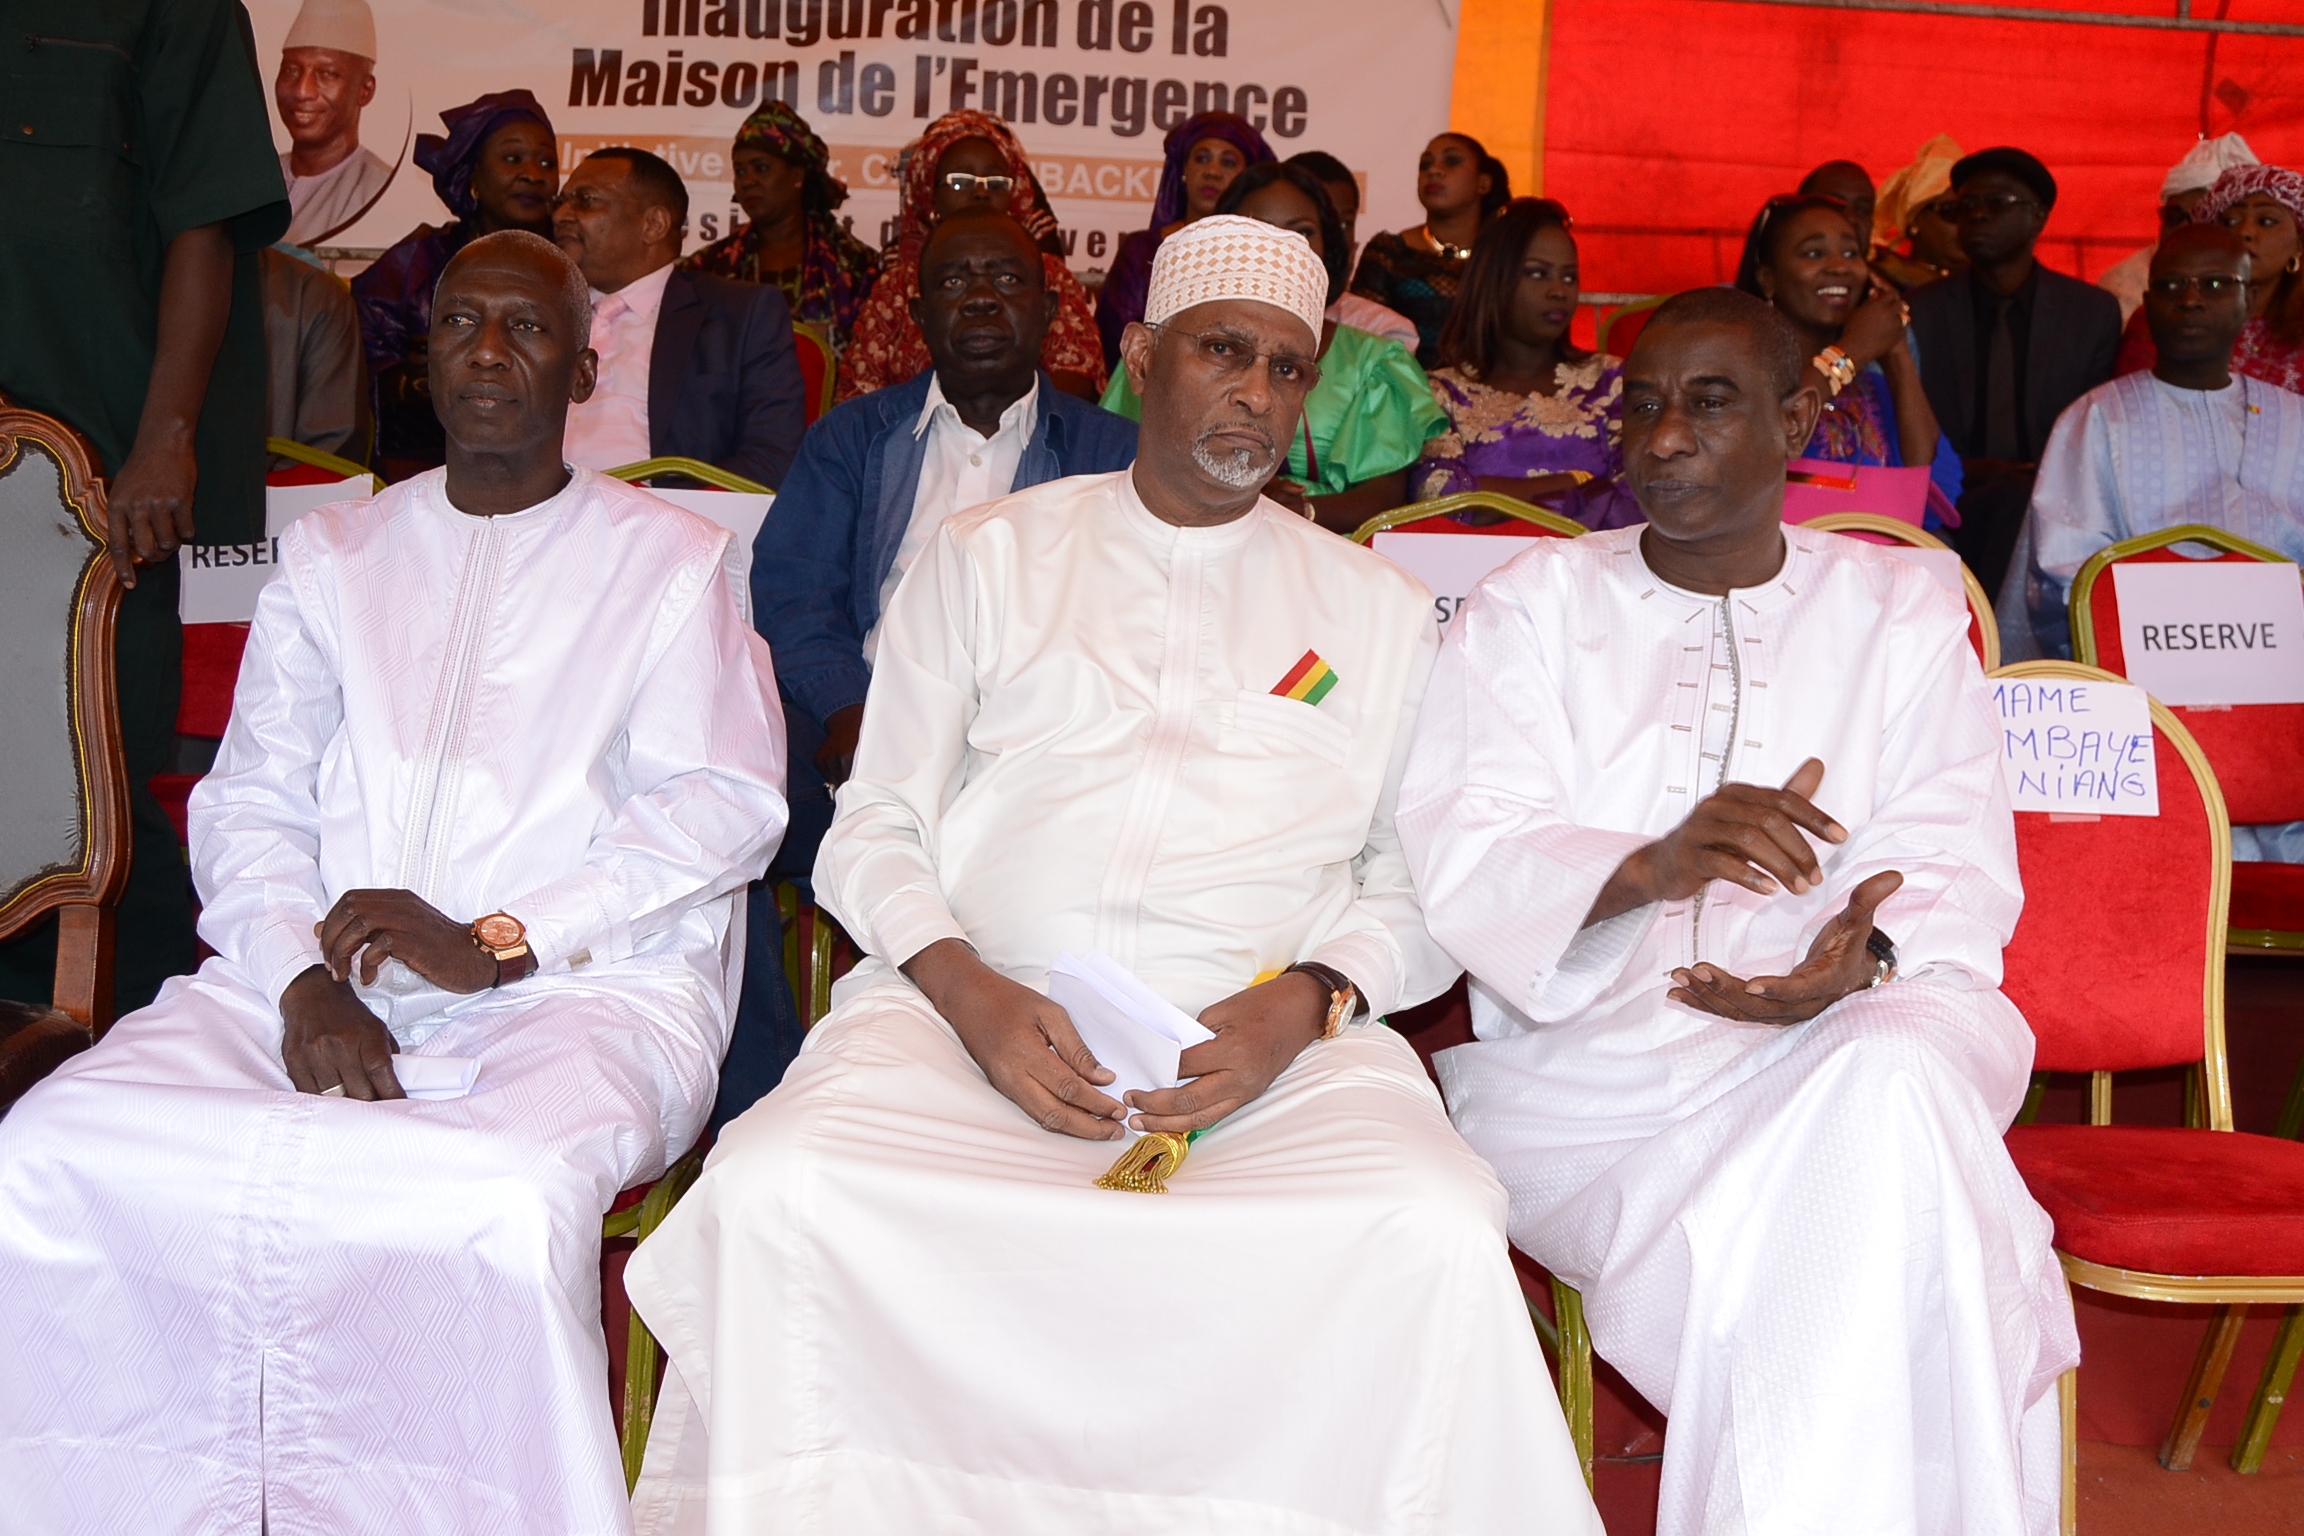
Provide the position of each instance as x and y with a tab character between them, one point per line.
63	785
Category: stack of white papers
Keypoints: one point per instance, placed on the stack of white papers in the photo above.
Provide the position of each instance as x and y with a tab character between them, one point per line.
1127	1026
436	1077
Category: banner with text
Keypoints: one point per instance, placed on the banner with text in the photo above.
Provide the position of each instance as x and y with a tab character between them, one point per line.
1090	86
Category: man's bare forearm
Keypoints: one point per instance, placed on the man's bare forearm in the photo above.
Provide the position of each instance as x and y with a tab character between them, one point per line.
195	301
1626	889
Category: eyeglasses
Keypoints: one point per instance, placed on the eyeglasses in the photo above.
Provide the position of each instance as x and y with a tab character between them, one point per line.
1953	209
1228	352
962	181
2213	285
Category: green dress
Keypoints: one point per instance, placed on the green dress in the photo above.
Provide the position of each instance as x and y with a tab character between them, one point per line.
1370	414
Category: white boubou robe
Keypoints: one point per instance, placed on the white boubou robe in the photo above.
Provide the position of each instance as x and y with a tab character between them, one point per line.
1806	1245
233	1306
895	1304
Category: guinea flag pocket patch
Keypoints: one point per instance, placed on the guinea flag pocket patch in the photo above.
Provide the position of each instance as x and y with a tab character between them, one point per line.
1309	681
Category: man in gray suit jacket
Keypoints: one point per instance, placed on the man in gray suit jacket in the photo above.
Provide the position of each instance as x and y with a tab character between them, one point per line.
691	366
2005	347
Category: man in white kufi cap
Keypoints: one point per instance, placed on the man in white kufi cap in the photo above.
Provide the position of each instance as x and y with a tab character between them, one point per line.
327	74
1148	726
2187	181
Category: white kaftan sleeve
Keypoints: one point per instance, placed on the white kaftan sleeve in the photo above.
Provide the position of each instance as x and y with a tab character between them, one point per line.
1941	814
254	820
704	784
1381	942
2076	508
1505	877
875	871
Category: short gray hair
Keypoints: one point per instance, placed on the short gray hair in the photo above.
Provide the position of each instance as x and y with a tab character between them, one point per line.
575	293
1773	338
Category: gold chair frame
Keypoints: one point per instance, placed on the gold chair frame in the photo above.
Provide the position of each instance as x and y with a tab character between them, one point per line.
1491	501
643	1356
2232	1295
82	897
1979	602
694	469
2085	648
1636	307
318	458
821	334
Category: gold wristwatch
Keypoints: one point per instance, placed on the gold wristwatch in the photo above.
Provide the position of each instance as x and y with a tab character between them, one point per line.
506	937
1344	1001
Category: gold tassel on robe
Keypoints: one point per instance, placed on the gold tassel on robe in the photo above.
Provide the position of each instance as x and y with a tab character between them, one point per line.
1144	1168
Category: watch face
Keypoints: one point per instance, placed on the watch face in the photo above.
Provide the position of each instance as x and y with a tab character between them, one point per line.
498	930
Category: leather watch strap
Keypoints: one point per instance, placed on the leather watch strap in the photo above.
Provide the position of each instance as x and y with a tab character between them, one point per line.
516	967
1339	987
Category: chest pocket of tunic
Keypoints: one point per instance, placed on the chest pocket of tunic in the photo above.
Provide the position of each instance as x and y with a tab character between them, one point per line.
1277	721
70	104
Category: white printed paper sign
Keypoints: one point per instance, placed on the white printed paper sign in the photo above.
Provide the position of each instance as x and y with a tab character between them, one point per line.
220	581
2075	746
1451	564
2213	632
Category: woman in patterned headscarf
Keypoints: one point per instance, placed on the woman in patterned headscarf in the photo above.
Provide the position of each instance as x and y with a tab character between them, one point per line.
1204	154
496	168
793	241
965	159
2263	205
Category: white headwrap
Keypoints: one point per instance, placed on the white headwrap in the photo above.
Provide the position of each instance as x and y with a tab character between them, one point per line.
1225	256
2207	160
344	25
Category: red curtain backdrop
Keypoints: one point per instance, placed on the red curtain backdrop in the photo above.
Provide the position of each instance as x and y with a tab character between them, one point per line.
1668	122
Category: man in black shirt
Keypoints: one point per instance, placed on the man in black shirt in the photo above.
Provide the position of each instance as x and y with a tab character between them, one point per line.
2006	346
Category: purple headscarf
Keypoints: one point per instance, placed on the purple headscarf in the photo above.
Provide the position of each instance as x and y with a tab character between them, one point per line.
1233	129
450	159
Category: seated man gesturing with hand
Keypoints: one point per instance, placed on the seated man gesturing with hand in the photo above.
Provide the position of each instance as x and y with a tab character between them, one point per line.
1742	1065
248	1283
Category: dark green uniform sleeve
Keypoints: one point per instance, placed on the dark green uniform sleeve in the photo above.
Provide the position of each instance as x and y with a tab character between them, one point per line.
127	123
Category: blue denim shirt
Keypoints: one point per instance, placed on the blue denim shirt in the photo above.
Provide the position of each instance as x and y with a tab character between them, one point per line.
832	535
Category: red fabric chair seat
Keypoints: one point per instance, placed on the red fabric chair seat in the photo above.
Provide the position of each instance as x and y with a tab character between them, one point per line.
2168	1200
2268	895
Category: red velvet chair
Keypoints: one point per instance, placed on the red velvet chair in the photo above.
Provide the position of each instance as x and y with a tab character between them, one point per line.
2254	748
1622	326
819	369
1983	627
1520	520
2116	972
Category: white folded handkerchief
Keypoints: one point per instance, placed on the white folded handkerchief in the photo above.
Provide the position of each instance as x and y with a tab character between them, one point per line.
1127	1026
436	1077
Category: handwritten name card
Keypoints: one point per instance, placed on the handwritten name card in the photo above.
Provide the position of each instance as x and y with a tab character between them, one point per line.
2077	747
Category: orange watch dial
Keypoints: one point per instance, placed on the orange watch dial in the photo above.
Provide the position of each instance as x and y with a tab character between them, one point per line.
500	931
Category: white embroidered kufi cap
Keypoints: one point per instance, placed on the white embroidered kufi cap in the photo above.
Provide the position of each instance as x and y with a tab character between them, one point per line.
2207	160
344	25
1225	256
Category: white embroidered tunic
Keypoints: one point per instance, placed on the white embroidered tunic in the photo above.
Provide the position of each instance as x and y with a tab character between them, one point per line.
231	1303
1807	1245
895	1304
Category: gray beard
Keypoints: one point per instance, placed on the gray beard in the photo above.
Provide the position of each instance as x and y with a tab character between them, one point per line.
1239	469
